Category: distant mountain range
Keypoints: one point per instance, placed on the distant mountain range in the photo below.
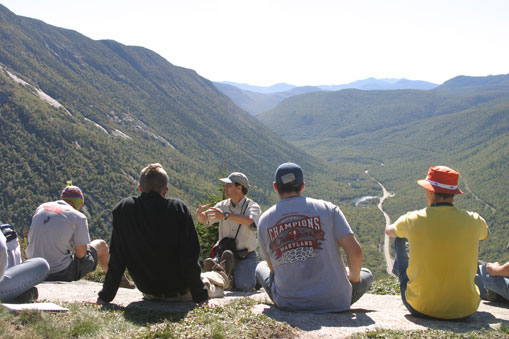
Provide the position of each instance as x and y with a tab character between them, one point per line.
258	99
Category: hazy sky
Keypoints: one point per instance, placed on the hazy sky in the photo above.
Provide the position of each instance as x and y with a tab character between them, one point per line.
314	42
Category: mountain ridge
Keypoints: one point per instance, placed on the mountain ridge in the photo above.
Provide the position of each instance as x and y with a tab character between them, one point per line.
257	99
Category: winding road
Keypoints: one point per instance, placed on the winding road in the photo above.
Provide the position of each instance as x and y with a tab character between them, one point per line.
477	198
387	254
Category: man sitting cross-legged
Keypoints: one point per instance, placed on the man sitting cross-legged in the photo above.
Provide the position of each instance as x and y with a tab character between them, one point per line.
58	229
300	239
155	239
437	277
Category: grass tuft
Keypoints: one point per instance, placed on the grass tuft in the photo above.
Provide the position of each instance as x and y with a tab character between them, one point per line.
387	285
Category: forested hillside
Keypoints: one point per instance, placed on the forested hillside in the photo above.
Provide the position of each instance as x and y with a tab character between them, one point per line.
96	112
397	135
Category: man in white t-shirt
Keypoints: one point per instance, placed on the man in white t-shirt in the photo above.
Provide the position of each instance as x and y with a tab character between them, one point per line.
299	239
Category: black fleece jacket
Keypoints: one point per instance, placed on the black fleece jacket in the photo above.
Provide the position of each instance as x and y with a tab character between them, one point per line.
155	239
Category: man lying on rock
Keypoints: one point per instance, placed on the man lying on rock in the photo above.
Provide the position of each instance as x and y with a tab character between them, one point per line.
437	277
155	239
300	239
59	234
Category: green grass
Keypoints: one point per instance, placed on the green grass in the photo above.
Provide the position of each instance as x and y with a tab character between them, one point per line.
234	320
385	286
432	334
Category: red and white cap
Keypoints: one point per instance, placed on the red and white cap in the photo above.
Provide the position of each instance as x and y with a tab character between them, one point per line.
441	179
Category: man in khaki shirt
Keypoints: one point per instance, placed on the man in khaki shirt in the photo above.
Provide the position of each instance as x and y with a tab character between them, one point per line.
238	219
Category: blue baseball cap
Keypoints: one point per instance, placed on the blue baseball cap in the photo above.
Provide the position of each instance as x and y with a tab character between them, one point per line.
289	174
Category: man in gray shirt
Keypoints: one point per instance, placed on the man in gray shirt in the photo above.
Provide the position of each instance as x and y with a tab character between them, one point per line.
58	229
300	239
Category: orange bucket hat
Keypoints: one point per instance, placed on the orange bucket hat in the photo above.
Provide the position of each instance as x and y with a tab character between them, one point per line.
441	179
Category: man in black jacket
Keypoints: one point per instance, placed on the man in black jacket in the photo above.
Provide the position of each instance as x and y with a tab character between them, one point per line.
155	239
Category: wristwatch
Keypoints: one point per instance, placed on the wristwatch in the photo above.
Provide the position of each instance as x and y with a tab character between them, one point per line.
226	215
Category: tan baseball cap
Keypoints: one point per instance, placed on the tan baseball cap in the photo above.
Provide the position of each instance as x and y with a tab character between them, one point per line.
236	178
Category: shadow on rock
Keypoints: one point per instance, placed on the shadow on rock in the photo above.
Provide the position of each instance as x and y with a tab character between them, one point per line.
149	312
477	321
501	304
311	321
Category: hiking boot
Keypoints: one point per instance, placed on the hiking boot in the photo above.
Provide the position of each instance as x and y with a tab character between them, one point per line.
126	283
26	297
228	262
208	264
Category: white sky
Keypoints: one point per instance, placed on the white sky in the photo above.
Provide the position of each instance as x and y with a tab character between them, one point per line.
313	42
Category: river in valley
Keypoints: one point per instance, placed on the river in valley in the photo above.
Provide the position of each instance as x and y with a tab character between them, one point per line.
385	194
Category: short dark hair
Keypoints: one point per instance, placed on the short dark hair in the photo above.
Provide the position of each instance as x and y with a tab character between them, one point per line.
153	178
289	188
244	190
444	196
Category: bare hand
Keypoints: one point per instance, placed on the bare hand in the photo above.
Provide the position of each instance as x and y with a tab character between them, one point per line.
209	303
96	301
200	213
348	275
215	213
493	268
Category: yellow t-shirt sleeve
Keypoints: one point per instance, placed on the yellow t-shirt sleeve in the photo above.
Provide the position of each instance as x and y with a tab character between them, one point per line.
484	230
401	226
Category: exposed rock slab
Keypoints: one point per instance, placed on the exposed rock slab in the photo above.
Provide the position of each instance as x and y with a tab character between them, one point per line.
382	311
370	312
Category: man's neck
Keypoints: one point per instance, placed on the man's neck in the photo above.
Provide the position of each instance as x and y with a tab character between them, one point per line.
438	202
289	195
236	200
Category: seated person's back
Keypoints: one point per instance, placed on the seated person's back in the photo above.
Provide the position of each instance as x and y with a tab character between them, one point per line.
155	239
59	234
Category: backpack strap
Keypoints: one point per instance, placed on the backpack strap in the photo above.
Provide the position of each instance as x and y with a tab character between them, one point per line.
244	207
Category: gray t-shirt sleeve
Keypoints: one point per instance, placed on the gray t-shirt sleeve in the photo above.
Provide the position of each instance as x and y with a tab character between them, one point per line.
262	240
340	225
81	235
3	255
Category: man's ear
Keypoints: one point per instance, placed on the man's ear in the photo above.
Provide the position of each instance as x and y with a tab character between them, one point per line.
275	187
139	188
302	187
164	191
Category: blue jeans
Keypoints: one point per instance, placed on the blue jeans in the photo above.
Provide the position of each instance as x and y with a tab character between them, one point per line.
20	278
497	284
399	270
266	279
244	272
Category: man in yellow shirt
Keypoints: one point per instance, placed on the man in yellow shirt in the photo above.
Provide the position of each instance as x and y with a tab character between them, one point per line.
437	277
